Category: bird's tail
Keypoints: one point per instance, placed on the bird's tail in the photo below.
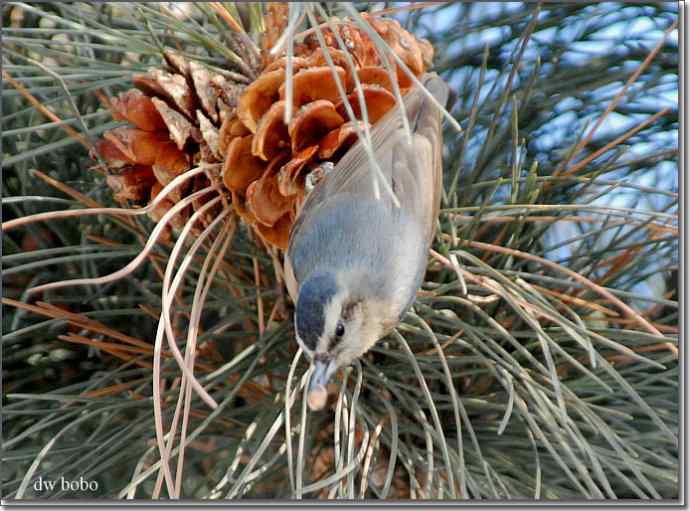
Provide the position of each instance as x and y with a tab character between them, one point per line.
425	116
425	112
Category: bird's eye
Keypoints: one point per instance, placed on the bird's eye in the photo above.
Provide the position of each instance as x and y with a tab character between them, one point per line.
340	329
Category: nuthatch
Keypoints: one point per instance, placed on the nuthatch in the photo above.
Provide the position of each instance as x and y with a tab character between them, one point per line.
355	260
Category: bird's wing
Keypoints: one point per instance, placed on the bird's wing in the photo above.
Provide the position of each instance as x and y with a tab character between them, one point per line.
413	171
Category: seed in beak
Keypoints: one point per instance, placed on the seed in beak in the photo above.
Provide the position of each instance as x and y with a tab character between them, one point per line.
317	397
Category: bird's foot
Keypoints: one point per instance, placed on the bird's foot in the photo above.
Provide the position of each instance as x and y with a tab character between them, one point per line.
316	175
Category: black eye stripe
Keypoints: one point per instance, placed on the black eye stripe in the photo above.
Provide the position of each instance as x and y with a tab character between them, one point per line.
348	310
337	336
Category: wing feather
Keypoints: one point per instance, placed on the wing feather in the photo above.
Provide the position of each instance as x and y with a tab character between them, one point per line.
413	170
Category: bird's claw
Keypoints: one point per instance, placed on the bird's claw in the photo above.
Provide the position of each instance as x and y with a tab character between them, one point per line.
316	175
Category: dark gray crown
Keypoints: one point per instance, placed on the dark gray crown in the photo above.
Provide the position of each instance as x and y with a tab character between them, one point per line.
315	294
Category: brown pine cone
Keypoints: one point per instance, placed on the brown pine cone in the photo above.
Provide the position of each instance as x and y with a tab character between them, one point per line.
185	115
267	161
175	115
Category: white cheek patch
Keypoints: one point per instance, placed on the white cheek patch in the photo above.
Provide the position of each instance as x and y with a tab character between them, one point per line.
322	345
348	352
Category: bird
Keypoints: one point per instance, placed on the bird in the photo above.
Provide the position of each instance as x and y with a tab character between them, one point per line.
357	256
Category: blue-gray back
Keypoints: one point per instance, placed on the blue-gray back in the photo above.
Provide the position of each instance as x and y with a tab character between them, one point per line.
344	225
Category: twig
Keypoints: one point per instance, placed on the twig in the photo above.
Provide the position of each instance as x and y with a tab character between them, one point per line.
448	342
463	273
45	111
134	263
113	389
45	309
52	215
617	98
227	17
575	300
410	7
66	189
614	143
624	321
551	218
583	280
259	301
80	339
103	241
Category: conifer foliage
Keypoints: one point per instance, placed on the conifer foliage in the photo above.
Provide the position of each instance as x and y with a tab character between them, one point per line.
154	158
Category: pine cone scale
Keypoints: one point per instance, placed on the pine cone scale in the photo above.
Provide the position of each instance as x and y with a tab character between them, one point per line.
186	115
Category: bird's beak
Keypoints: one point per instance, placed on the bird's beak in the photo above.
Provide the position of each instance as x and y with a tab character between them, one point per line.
318	395
323	370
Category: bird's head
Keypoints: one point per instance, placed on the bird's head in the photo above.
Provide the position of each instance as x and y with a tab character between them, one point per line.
333	326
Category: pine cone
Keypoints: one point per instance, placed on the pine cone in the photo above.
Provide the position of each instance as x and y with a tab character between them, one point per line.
175	115
266	161
186	115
